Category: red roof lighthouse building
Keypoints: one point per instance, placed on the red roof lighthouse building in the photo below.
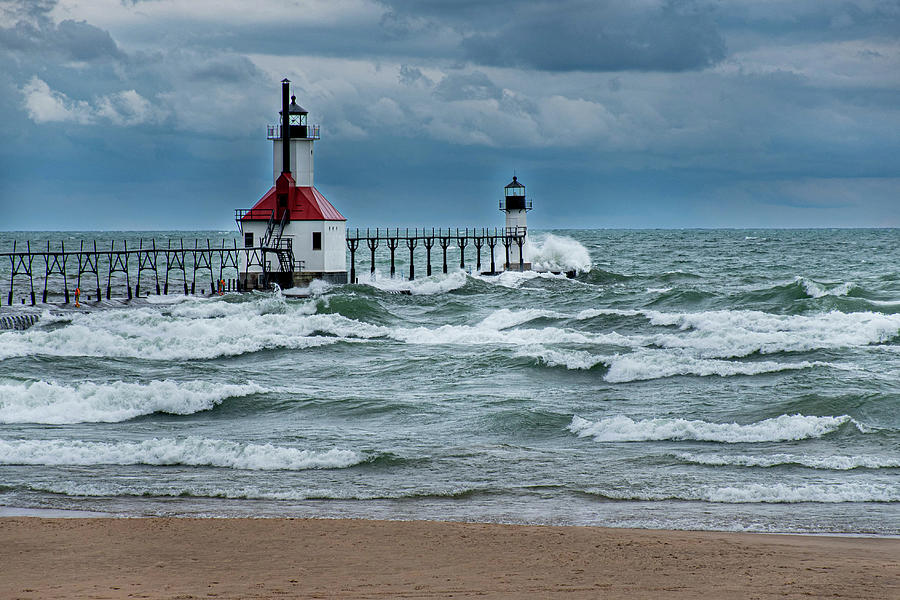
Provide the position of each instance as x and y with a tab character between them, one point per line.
298	235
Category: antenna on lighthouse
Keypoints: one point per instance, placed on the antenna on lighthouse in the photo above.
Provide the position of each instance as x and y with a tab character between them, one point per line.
285	126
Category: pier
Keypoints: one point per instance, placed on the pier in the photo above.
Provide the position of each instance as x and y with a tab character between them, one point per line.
57	271
484	238
91	270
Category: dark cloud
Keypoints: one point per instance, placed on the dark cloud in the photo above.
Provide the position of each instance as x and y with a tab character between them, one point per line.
410	76
577	35
84	42
33	32
226	69
470	86
671	37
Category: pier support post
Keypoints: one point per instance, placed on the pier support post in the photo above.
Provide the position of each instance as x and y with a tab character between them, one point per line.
411	244
352	245
428	242
392	246
520	241
462	242
479	242
506	242
372	243
445	242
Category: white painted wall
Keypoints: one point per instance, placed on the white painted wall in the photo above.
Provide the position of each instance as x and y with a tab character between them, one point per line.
514	218
258	228
301	161
332	257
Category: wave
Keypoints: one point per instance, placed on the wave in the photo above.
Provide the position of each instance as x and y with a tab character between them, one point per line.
505	318
815	289
53	403
643	365
770	493
178	489
831	463
425	286
515	279
190	330
737	333
557	253
192	451
779	429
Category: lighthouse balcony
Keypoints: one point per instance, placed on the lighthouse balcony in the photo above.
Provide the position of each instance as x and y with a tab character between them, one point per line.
514	203
298	132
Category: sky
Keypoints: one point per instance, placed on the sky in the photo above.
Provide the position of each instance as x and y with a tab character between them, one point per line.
152	114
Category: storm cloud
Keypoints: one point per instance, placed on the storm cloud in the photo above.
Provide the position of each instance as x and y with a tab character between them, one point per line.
647	113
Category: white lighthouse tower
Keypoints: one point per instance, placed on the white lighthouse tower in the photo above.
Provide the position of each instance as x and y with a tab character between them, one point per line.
515	205
300	236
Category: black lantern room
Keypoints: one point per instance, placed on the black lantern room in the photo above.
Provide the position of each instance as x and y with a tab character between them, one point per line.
514	196
297	115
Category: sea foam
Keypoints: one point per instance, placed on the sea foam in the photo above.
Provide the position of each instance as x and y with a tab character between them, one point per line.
193	451
834	462
189	330
649	364
424	286
770	493
55	403
779	429
736	333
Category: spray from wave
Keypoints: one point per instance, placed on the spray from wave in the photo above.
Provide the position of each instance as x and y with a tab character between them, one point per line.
557	253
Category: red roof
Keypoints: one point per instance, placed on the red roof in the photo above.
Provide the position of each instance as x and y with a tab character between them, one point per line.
305	204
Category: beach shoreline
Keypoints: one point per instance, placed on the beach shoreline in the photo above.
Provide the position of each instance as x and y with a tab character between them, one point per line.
346	558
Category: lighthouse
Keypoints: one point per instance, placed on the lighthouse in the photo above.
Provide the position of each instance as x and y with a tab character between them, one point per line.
515	205
295	233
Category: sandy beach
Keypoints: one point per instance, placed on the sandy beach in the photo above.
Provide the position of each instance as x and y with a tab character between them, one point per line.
298	558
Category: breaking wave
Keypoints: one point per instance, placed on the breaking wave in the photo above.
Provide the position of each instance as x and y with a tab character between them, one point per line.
643	365
815	289
737	333
779	429
771	493
832	462
557	253
189	330
54	403
192	451
425	286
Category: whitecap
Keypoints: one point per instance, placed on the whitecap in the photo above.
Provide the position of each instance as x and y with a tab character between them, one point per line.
654	364
770	493
193	451
55	403
423	286
835	462
779	429
815	289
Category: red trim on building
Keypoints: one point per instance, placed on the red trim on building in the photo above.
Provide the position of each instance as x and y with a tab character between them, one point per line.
304	203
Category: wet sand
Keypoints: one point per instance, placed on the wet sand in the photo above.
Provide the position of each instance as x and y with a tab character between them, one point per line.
300	558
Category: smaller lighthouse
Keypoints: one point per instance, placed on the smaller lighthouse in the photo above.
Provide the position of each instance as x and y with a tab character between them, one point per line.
515	205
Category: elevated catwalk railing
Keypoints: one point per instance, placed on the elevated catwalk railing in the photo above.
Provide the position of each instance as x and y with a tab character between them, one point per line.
60	271
393	238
